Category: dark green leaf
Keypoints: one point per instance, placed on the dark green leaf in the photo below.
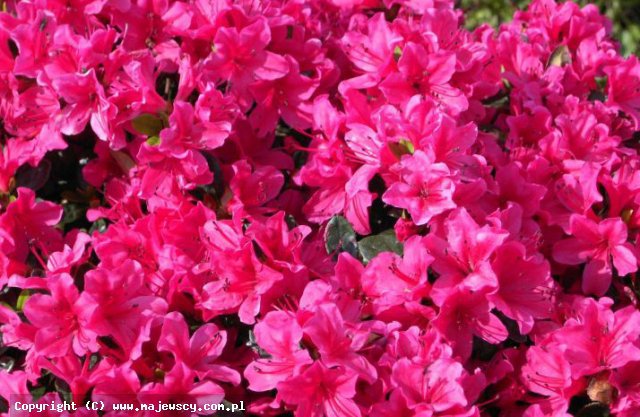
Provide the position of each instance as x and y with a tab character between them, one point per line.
99	225
384	242
340	236
38	392
148	124
64	390
596	95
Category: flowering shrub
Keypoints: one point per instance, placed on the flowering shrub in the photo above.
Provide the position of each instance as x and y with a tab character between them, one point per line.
319	208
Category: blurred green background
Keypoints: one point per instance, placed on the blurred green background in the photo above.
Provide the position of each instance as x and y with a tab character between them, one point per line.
625	15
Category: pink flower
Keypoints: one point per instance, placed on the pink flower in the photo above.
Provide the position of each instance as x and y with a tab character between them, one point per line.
11	157
425	188
449	142
336	343
162	174
180	386
167	170
64	260
529	128
390	280
320	391
58	318
241	280
13	385
548	373
78	374
216	114
117	385
285	97
15	332
467	313
33	39
599	245
254	187
121	303
341	189
279	335
372	52
599	339
30	224
464	258
433	389
515	188
200	352
627	380
525	287
239	54
429	74
281	245
576	193
623	87
85	102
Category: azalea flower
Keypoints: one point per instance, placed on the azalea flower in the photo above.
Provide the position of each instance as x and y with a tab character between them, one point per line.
318	208
321	391
425	188
59	318
601	246
279	335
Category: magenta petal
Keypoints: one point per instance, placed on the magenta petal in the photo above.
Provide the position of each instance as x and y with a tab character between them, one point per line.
597	277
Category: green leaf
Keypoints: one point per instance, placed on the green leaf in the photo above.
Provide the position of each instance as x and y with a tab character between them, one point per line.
148	124
291	221
22	299
601	82
402	147
72	212
499	100
340	237
93	360
153	141
596	95
397	53
124	161
253	344
63	389
408	145
559	57
99	225
384	242
38	392
600	93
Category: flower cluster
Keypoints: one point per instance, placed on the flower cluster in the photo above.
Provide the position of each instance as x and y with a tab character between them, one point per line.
335	208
